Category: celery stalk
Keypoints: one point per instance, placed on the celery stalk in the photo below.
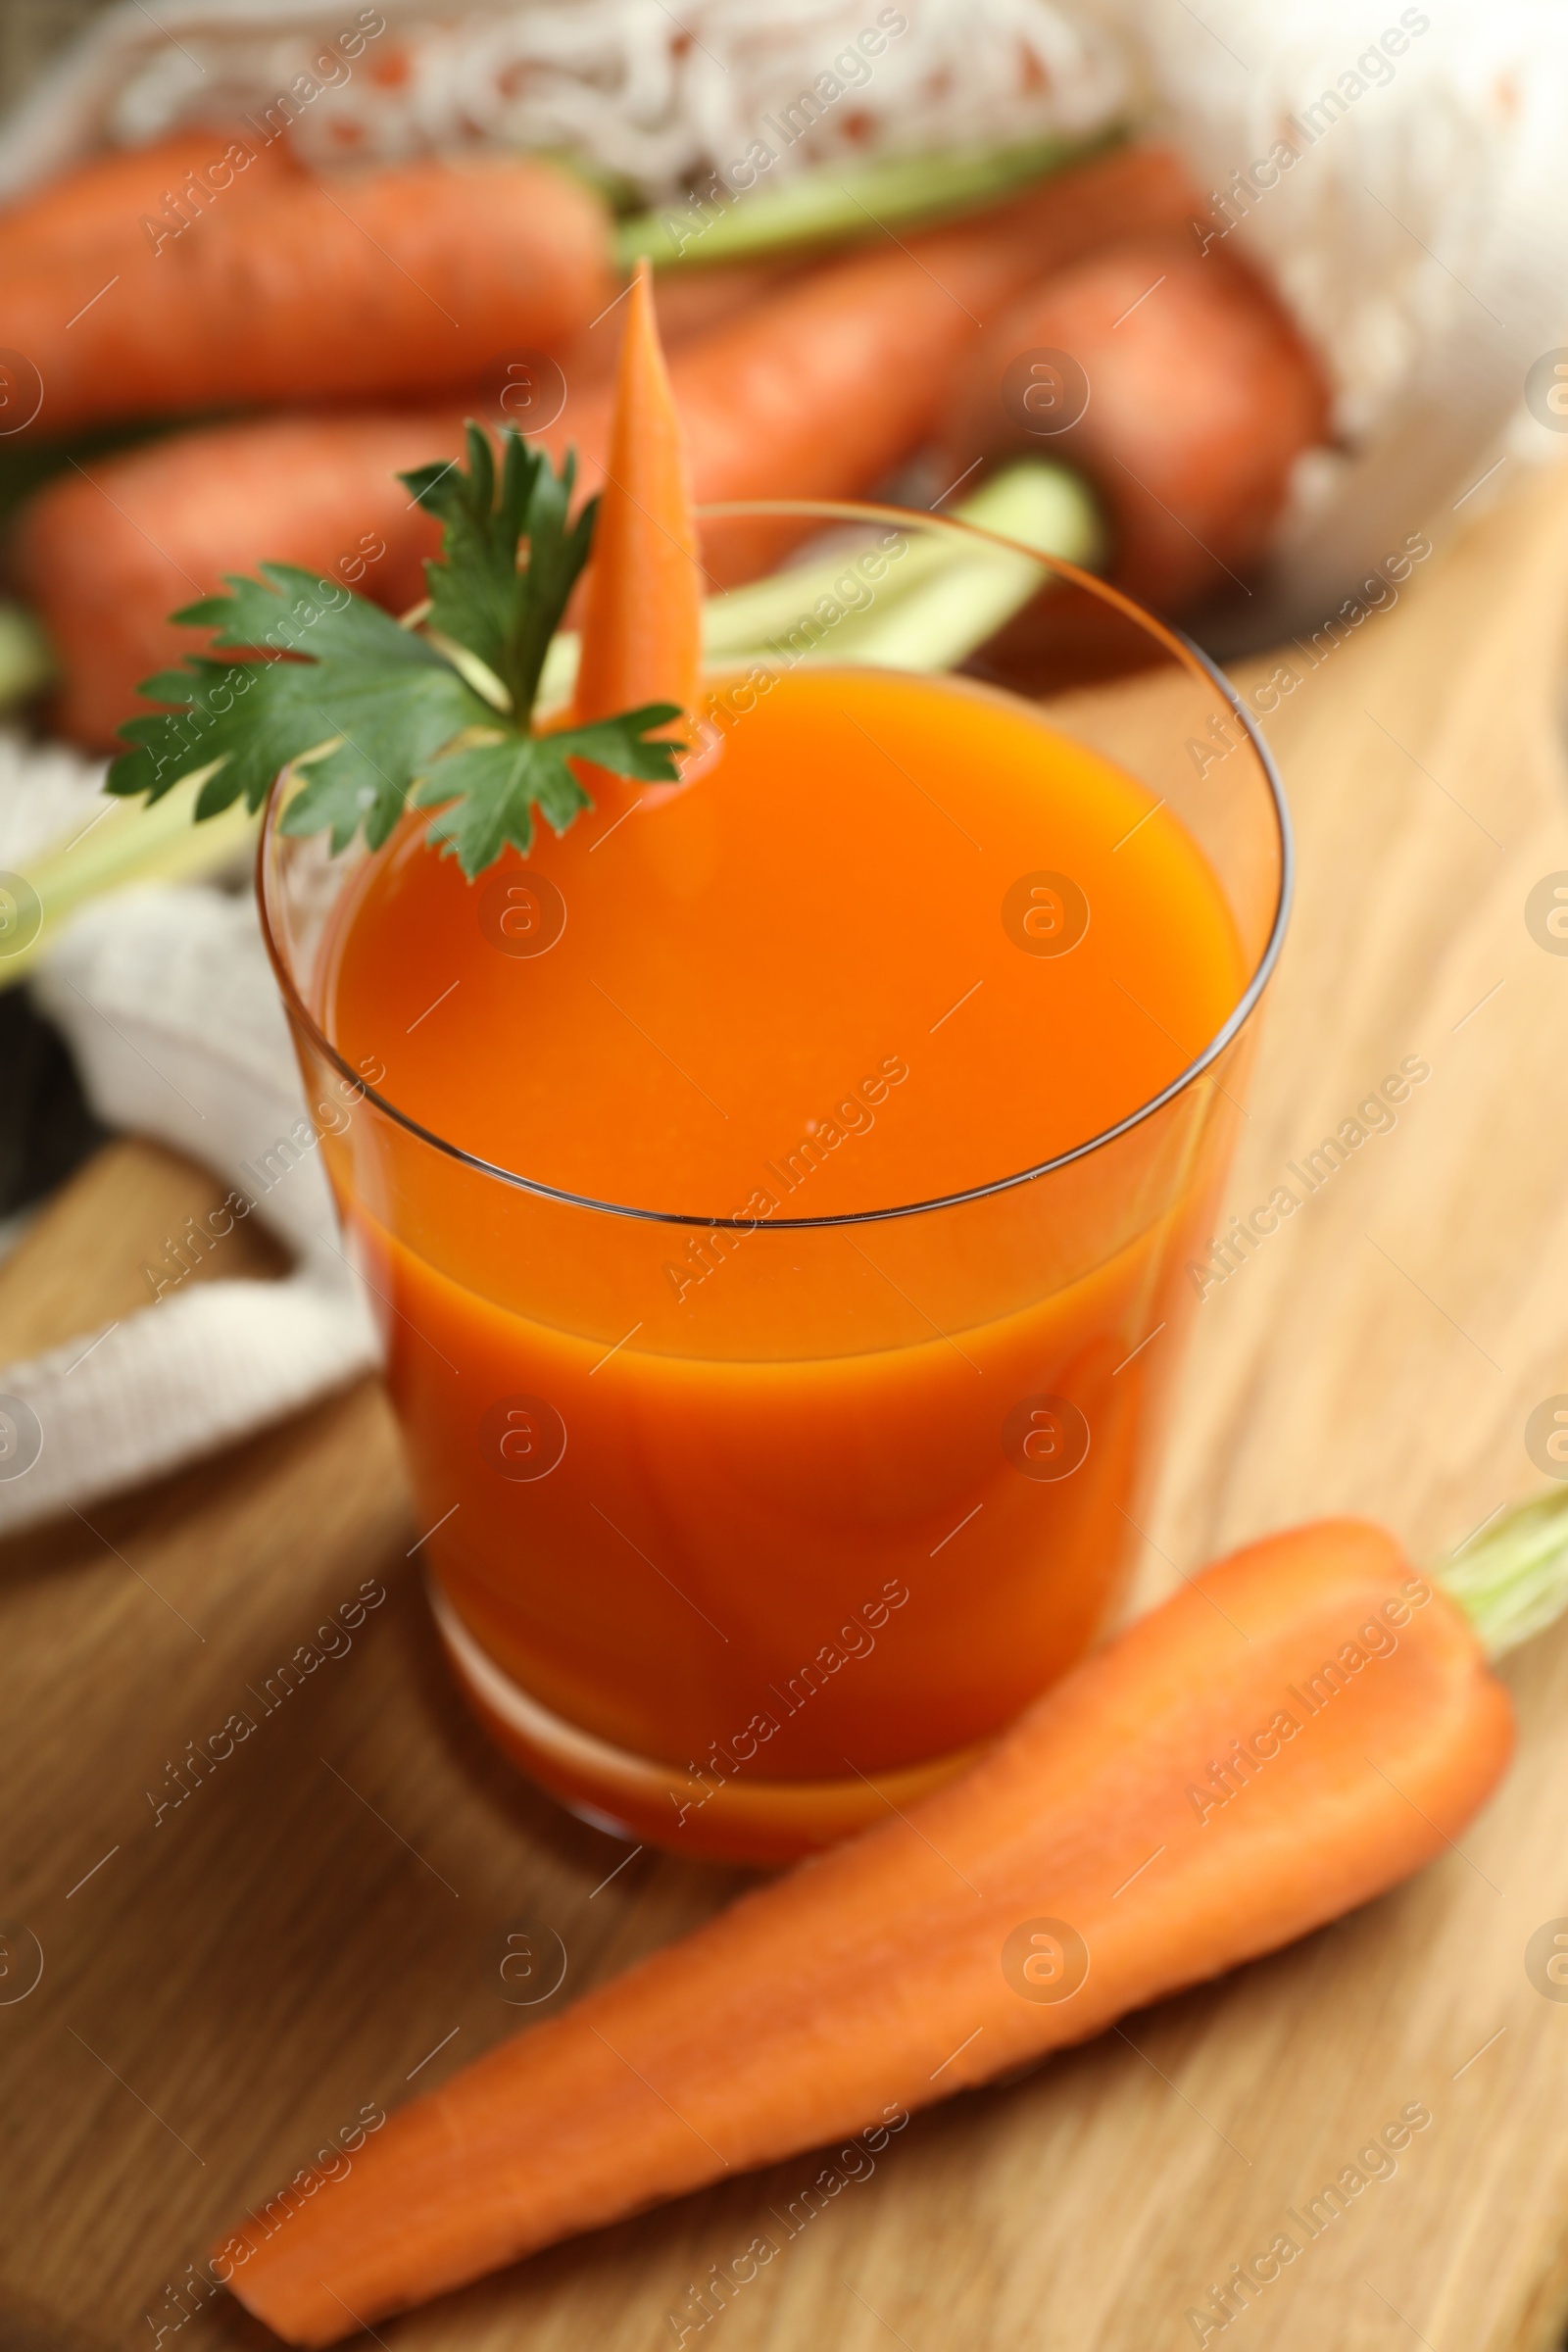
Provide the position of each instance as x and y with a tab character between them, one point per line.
26	662
129	842
837	201
938	600
945	597
1512	1580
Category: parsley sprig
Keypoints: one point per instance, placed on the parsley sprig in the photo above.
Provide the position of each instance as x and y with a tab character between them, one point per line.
375	715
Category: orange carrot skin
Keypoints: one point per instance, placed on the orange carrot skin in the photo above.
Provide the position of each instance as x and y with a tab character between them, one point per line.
642	618
373	284
814	390
104	563
821	391
873	1979
97	208
821	386
1201	396
687	303
107	553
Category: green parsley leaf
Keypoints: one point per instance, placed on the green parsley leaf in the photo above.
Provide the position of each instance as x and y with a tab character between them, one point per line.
382	695
375	715
497	783
478	596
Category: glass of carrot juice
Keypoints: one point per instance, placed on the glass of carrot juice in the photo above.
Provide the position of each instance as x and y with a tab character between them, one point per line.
777	1191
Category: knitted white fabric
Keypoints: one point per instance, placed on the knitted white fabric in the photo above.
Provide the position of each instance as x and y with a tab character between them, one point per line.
649	95
173	1016
1419	236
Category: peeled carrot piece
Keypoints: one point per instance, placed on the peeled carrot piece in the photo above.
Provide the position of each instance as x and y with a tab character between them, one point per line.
1301	1727
297	287
1201	396
642	620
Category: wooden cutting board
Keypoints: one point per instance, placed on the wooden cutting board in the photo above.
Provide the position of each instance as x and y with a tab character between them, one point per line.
320	1925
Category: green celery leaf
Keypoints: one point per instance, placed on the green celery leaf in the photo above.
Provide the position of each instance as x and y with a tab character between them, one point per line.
492	788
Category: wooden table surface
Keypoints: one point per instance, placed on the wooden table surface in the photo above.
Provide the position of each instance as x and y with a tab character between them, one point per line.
319	1923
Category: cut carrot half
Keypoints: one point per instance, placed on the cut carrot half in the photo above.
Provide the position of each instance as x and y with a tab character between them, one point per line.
642	611
1301	1727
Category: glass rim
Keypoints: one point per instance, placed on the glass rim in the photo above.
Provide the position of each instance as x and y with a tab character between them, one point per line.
1192	657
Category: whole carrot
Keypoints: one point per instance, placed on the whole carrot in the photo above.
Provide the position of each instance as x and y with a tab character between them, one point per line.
1301	1727
820	392
1200	397
115	545
814	390
298	287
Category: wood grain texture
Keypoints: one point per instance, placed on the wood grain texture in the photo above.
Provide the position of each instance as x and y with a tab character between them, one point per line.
87	1248
235	1980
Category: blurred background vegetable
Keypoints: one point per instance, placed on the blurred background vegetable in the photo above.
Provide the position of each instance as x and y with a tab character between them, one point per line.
820	381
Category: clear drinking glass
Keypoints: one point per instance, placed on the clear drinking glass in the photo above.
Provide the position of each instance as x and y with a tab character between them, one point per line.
735	1580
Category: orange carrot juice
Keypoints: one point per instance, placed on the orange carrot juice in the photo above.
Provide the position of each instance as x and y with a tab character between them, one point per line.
738	1480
